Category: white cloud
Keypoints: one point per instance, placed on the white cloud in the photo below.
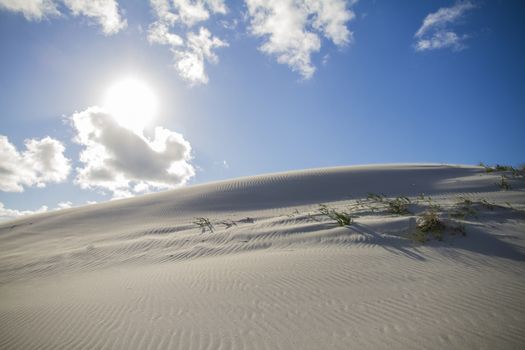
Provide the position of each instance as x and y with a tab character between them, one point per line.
191	52
187	12
189	61
159	33
105	12
64	205
292	28
435	33
42	162
125	162
31	9
8	214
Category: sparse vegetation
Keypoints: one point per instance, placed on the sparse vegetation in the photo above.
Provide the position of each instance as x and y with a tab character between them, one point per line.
503	184
399	205
247	220
487	204
499	167
341	218
429	222
375	197
463	209
204	224
516	172
227	223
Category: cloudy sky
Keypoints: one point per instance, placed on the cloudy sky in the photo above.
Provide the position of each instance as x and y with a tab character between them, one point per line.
108	99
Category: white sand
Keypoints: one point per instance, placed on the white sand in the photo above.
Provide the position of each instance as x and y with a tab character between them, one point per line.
137	274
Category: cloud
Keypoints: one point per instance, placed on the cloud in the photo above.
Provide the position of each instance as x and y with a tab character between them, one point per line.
64	205
435	32
159	33
196	48
33	10
105	12
187	12
292	29
42	162
126	162
8	214
189	62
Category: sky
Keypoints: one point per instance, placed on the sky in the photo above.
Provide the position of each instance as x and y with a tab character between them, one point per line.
117	98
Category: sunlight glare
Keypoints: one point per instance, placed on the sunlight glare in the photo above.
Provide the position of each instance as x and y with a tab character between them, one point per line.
132	103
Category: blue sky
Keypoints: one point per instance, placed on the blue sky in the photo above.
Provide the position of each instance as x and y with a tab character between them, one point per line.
368	82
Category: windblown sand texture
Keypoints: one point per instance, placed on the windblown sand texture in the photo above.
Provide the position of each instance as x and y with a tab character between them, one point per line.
138	274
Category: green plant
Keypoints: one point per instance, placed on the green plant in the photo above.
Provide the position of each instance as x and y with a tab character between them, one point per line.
399	205
463	208
503	184
429	222
204	224
342	218
375	197
499	167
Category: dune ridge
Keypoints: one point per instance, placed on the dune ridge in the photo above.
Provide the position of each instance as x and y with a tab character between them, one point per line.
138	274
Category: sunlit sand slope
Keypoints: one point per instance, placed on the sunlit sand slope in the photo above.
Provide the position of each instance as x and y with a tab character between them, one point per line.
275	273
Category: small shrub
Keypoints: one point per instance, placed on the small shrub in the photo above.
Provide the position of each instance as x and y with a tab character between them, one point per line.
375	197
204	224
429	222
463	209
499	167
341	218
399	205
503	184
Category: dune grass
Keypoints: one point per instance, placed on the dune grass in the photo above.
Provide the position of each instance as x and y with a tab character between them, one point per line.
204	224
503	184
429	223
397	206
340	217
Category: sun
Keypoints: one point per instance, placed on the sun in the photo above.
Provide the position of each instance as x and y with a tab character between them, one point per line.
132	103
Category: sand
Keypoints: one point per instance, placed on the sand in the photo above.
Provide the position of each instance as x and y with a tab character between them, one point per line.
138	274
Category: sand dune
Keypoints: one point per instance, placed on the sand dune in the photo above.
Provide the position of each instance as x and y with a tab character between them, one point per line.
138	274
